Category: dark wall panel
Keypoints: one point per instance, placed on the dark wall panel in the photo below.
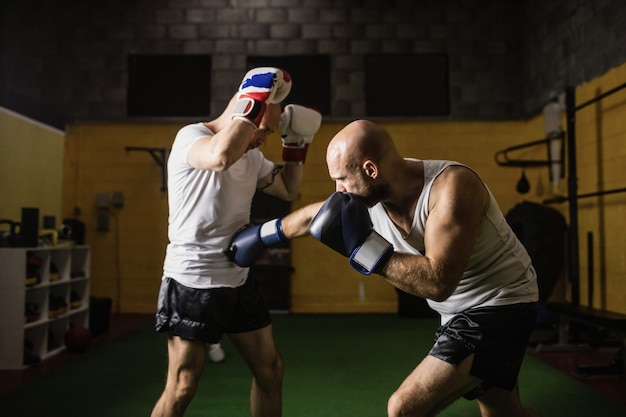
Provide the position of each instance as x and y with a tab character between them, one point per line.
169	85
406	85
311	78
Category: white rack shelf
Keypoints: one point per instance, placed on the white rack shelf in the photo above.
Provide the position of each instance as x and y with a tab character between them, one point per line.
43	290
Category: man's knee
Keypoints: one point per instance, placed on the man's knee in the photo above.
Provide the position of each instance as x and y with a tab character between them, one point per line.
277	369
269	374
394	405
399	406
182	387
176	398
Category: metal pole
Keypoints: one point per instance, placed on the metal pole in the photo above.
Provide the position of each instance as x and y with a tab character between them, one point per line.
572	192
590	267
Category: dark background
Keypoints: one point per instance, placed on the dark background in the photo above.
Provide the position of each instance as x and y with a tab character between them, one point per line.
67	60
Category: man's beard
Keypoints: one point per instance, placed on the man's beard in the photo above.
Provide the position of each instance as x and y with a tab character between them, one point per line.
371	196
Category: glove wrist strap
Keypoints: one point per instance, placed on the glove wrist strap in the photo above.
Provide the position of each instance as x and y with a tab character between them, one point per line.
271	232
294	153
372	255
249	110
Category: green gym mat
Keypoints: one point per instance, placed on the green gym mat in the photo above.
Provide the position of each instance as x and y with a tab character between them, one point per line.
335	366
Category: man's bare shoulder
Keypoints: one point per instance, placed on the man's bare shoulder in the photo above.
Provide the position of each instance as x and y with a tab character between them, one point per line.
459	183
457	175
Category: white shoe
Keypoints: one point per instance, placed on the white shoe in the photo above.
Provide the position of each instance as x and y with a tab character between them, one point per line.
216	353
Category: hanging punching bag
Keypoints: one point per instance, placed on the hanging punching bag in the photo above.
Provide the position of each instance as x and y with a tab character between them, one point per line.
523	186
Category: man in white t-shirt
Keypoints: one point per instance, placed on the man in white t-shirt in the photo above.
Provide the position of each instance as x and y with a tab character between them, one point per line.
214	170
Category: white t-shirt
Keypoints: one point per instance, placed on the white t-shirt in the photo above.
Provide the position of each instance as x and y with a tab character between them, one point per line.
206	208
499	271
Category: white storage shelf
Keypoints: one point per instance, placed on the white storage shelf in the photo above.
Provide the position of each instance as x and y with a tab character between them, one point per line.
40	298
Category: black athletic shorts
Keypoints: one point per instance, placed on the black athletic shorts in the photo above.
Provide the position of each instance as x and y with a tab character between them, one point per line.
206	314
497	336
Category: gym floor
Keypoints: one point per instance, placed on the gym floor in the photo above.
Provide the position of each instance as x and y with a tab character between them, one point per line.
565	360
574	358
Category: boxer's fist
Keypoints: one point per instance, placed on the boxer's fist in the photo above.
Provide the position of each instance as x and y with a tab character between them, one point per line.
259	87
249	243
298	125
343	224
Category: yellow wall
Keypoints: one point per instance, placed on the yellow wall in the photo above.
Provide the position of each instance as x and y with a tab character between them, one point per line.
601	154
31	167
126	263
127	260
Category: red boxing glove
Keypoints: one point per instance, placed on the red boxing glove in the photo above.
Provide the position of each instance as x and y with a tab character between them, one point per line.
259	87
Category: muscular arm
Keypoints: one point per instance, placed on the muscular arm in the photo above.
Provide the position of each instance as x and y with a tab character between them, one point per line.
285	184
233	137
296	223
248	244
457	203
219	152
298	126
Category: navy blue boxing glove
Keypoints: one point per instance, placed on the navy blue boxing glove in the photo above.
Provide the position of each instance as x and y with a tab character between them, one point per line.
344	224
249	243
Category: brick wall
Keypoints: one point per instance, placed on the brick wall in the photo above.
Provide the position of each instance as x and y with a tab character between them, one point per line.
569	43
65	60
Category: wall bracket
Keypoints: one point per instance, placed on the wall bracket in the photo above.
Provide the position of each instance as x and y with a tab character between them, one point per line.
160	157
504	160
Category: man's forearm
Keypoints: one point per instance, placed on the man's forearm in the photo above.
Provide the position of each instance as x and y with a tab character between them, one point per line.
292	178
296	223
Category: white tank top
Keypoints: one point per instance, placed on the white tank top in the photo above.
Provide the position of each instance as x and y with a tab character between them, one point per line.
206	209
499	271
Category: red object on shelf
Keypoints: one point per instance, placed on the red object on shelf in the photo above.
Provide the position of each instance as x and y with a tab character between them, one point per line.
77	338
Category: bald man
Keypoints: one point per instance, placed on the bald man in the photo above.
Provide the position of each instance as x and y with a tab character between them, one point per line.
442	237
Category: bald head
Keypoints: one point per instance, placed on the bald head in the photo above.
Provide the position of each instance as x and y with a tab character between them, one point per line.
358	141
362	159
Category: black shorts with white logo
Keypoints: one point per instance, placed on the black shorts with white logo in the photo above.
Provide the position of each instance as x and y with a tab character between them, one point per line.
206	314
497	336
